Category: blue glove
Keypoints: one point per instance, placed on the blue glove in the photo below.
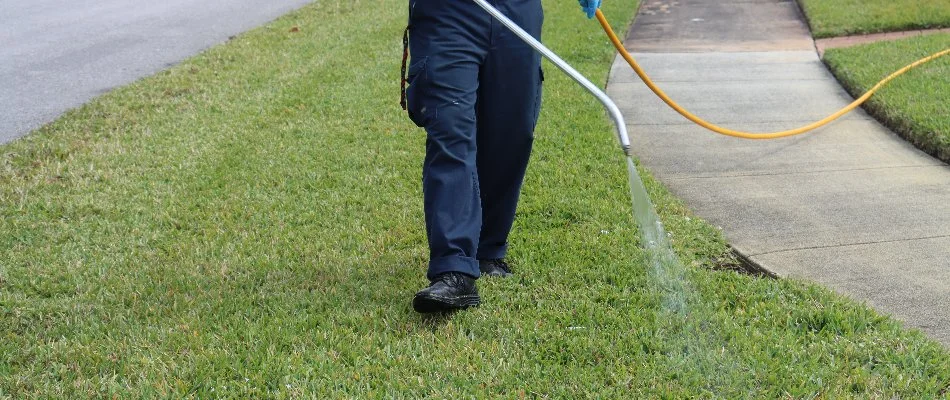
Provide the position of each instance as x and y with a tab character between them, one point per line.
590	7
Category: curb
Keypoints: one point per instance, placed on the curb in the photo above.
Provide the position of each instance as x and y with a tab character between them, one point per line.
751	266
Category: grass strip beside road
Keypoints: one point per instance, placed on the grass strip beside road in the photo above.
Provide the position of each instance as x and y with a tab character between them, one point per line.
248	224
830	18
915	105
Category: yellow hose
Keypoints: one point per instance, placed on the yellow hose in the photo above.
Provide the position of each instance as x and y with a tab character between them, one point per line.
750	135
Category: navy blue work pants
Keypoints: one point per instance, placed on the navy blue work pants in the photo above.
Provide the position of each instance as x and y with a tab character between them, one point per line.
476	89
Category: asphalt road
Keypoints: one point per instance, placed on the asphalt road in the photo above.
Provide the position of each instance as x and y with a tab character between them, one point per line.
58	54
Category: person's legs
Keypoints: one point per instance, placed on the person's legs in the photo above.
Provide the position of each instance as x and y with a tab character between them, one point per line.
448	42
508	103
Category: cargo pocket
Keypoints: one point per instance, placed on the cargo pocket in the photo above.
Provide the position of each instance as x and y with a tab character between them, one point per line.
417	79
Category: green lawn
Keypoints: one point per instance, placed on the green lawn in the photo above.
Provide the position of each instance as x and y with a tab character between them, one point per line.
917	104
248	224
829	18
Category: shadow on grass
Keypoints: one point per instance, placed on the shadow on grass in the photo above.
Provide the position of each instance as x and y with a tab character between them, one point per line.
432	322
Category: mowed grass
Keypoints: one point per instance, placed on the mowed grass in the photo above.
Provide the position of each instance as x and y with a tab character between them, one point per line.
917	104
249	224
829	18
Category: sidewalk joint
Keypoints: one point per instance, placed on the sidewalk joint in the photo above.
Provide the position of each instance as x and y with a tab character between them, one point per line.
849	245
810	172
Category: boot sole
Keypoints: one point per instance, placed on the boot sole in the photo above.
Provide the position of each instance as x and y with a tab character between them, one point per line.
427	304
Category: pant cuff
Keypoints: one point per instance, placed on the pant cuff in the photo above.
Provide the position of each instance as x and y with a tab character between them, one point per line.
441	265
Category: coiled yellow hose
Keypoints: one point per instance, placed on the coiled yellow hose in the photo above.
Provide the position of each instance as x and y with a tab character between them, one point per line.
751	135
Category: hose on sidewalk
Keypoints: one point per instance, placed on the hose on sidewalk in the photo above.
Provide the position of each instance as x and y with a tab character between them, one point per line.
751	135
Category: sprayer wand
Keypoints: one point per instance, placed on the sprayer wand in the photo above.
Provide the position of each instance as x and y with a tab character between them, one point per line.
612	109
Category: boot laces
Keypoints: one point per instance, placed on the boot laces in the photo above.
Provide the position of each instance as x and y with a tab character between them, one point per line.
450	278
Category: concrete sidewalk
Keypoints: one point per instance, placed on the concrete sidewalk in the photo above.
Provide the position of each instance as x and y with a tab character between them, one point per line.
851	206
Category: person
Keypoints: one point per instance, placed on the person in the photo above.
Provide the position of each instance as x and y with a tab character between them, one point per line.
476	89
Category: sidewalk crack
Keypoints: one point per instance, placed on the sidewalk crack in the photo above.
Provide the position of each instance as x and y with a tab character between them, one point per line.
849	245
808	172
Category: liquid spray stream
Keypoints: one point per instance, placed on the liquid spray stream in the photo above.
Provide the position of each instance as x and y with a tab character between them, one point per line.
692	344
666	268
668	272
